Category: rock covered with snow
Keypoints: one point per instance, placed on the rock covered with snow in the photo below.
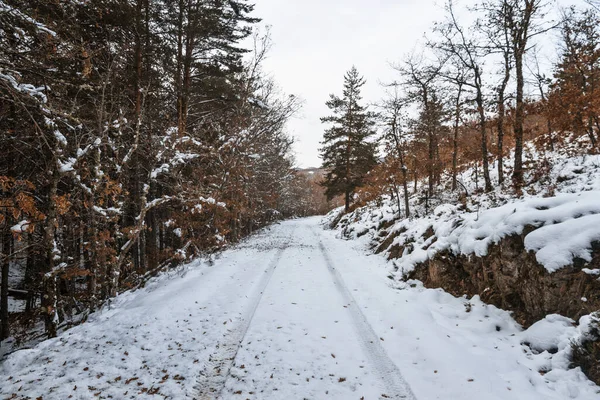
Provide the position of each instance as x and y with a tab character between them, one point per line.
549	334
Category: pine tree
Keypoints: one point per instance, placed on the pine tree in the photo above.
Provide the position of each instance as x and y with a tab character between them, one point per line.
134	134
347	153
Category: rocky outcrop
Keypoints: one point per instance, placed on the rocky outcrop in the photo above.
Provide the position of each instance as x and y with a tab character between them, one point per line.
510	278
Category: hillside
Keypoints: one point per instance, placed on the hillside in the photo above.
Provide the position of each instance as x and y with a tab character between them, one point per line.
536	255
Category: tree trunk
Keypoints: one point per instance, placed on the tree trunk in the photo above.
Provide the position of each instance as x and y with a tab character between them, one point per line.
187	68
500	148
484	149
49	296
400	150
396	193
591	131
455	137
179	69
431	164
347	201
93	235
6	251
151	240
415	176
500	121
138	61
405	187
31	268
518	125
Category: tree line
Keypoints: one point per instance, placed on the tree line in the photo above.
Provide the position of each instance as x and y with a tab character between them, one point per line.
135	134
470	96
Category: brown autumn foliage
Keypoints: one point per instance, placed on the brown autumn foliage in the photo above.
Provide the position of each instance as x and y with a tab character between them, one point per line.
574	99
123	154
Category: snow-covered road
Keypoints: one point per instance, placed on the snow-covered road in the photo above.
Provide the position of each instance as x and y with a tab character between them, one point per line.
308	337
292	313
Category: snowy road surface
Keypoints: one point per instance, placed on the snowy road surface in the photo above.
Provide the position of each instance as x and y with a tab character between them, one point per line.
292	313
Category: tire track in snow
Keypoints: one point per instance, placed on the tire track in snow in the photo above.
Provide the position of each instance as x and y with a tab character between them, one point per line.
211	380
385	368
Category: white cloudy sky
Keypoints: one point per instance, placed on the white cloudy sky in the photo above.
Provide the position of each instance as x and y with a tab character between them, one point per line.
317	41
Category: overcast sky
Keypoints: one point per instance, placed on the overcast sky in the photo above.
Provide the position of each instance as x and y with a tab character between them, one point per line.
317	41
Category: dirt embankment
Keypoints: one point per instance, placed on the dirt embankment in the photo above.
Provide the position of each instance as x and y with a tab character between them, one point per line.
510	278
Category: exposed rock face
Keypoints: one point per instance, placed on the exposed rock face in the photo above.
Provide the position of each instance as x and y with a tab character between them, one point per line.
510	278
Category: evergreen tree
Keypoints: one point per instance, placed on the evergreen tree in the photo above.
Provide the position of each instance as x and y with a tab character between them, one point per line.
347	154
134	135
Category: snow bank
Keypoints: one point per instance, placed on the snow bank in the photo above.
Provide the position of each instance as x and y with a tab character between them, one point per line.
558	214
446	341
567	225
562	204
558	244
550	334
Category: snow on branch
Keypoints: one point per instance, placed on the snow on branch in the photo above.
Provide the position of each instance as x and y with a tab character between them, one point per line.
31	90
5	8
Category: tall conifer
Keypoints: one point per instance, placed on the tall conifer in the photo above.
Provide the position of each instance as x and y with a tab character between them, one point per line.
347	153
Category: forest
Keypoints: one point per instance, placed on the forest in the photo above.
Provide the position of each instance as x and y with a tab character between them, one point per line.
160	238
135	135
469	99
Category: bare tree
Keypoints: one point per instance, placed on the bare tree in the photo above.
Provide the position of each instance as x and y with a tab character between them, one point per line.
524	21
496	28
458	104
392	115
419	79
467	56
594	3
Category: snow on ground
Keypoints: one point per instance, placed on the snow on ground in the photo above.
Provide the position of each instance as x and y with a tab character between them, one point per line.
464	348
561	199
567	226
296	313
153	340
